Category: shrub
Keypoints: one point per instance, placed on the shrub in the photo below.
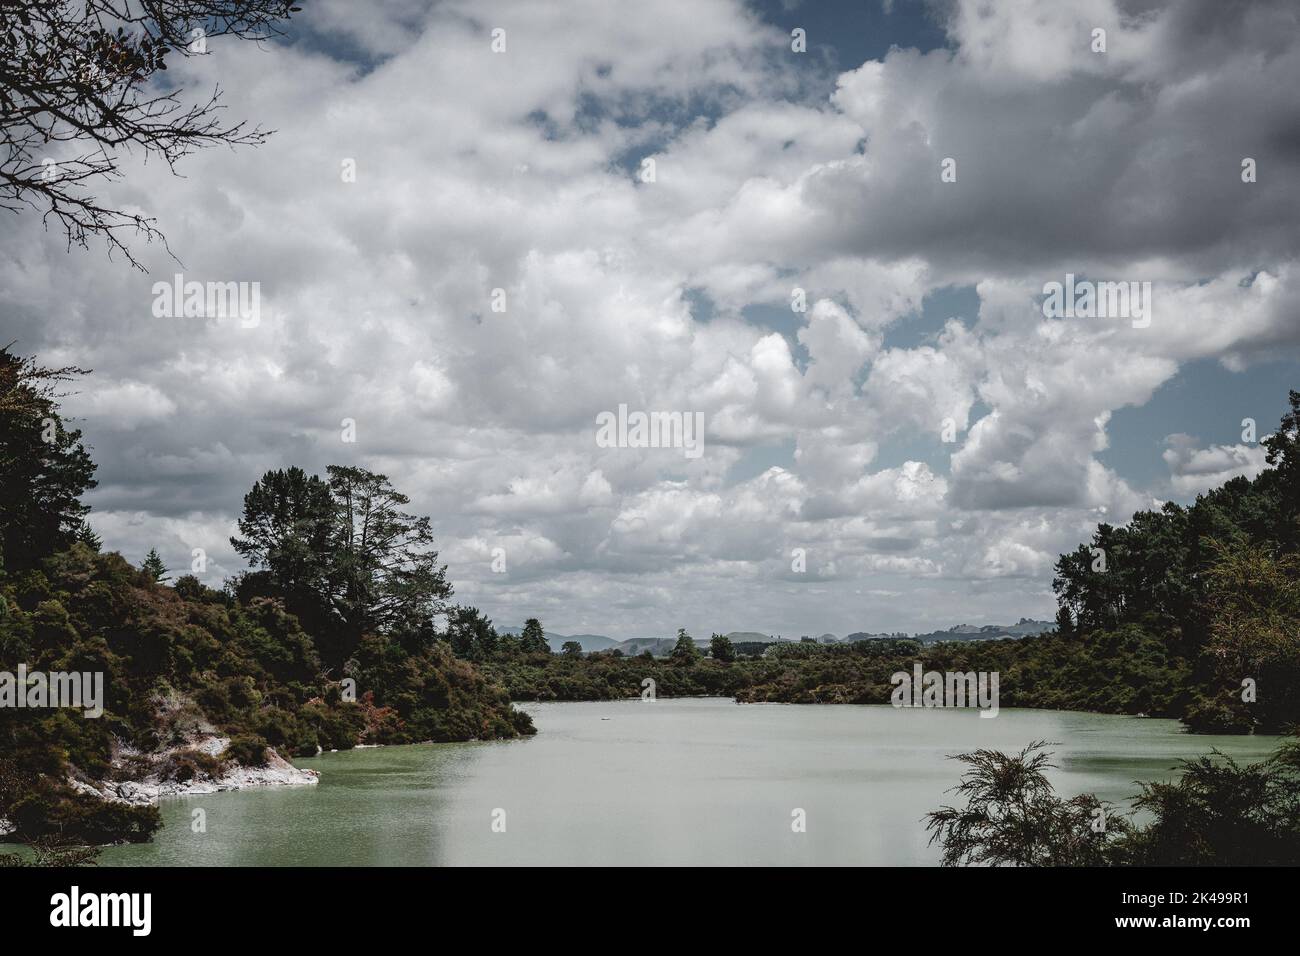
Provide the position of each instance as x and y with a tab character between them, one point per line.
246	750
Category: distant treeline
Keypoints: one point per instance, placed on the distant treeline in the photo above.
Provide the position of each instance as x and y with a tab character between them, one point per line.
1187	612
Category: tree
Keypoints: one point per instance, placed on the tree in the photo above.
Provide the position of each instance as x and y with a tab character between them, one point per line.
533	639
344	554
1283	453
384	570
471	635
1215	813
153	566
82	84
1013	817
571	649
87	536
721	648
286	527
1284	444
1253	609
1064	622
684	651
1219	813
44	468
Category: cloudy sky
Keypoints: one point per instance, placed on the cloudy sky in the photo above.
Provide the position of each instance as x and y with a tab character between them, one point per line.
774	170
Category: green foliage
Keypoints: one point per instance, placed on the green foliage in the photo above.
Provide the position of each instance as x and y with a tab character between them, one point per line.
383	572
248	670
721	648
1218	582
1127	671
44	468
51	852
342	555
603	675
153	566
1064	622
684	651
1012	817
533	639
472	635
349	584
246	750
1217	813
285	529
86	535
48	817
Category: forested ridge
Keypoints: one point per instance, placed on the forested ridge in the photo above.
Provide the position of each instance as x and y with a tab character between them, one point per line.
328	641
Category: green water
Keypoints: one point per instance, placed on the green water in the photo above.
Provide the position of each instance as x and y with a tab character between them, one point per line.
699	781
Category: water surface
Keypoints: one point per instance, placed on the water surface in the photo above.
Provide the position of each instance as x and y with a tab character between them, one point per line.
693	781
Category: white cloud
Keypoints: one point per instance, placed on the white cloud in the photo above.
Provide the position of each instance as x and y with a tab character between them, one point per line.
478	171
1194	470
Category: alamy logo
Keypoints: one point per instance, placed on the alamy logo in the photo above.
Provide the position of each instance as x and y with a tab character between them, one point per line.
208	300
946	689
1098	300
37	689
684	430
74	909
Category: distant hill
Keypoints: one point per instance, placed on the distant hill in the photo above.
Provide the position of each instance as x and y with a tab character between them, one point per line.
658	646
1025	627
589	642
661	646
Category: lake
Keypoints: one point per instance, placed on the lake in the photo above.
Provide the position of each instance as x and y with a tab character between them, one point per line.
637	783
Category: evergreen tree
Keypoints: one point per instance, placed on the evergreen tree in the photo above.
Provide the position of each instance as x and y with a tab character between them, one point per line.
383	570
1064	622
44	468
154	567
86	535
285	529
344	555
533	639
684	651
470	634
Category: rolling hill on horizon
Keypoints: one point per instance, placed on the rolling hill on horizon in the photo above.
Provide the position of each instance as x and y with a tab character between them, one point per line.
659	646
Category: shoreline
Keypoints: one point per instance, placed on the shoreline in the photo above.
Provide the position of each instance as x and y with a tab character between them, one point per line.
148	789
278	773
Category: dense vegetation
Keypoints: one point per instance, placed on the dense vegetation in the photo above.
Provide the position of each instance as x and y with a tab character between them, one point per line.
1217	583
1217	813
329	640
1125	671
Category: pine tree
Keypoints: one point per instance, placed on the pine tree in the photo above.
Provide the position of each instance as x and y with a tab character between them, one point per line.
1064	622
154	567
684	651
44	468
533	639
86	535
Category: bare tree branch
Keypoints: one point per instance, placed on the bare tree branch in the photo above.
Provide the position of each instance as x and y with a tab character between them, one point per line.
82	84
